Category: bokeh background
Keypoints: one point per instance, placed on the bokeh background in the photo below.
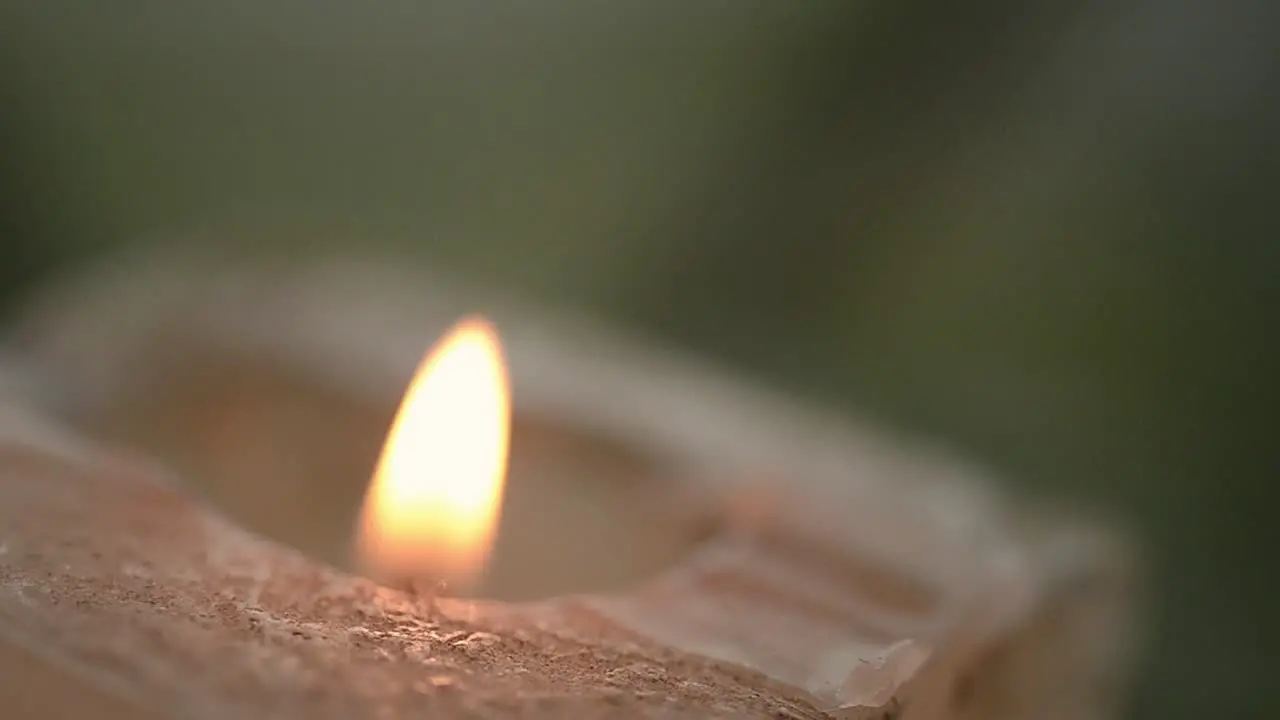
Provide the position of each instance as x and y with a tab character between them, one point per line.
1043	232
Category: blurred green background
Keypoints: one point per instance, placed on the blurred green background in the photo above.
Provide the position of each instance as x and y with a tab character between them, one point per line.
1045	232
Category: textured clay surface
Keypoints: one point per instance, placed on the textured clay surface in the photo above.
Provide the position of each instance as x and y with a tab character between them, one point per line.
120	597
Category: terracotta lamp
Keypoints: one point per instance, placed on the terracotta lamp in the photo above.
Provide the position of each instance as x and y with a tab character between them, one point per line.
657	539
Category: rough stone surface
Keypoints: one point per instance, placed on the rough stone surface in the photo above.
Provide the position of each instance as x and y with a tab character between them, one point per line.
119	597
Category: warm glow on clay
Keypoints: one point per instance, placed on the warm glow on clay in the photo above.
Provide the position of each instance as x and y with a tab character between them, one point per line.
434	502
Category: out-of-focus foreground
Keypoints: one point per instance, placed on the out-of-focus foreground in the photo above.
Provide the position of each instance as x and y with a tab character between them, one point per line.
1040	233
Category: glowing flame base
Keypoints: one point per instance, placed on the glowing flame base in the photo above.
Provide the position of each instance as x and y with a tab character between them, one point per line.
434	503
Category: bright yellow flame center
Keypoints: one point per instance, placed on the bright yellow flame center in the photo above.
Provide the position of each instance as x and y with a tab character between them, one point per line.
435	499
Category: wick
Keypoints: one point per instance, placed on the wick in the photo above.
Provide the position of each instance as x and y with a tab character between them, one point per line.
423	590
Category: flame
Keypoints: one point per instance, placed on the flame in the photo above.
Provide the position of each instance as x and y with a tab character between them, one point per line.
434	502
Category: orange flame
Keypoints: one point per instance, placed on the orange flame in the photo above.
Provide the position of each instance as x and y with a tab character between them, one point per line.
434	502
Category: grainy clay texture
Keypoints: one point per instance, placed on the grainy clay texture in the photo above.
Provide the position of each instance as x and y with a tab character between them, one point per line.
121	598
